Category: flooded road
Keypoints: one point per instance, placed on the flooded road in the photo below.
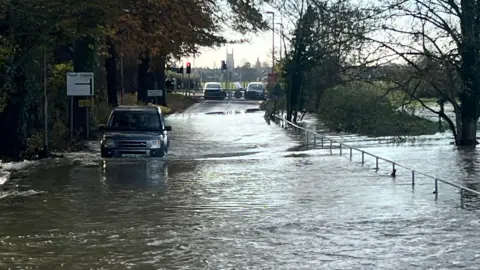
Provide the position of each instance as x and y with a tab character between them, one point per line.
233	194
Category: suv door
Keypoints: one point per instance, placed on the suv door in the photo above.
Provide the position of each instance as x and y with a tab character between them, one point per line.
164	132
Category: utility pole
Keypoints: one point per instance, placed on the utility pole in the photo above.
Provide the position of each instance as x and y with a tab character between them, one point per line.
45	102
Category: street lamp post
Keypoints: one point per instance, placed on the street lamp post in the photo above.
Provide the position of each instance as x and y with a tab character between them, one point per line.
273	40
273	59
281	34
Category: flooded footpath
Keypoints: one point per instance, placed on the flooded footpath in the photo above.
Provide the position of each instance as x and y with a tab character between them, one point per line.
234	193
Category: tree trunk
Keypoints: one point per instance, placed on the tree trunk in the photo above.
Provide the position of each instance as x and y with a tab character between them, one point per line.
469	52
160	78
289	93
111	69
143	68
467	132
12	119
289	110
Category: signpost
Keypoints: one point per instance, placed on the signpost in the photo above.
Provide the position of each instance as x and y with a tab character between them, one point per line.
80	84
273	87
84	103
155	93
276	92
272	80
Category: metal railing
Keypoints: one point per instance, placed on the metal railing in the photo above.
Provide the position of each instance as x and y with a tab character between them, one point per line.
312	135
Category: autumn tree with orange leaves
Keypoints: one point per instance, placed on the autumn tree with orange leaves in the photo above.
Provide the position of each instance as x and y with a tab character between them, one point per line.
86	33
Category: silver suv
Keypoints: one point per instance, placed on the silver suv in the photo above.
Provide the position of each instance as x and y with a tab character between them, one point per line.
213	90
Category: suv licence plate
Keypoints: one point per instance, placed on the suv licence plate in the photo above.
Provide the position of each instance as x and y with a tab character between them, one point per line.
132	155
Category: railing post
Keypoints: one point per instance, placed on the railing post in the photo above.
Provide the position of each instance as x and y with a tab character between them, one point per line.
376	163
350	154
340	148
330	147
413	178
436	188
462	202
307	137
363	157
393	166
314	140
321	139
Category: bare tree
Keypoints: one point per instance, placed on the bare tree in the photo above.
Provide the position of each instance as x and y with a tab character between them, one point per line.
323	45
439	40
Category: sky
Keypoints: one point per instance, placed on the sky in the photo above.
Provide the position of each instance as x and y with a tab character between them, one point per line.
259	45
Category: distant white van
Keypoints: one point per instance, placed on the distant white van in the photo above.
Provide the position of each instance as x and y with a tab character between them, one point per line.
255	90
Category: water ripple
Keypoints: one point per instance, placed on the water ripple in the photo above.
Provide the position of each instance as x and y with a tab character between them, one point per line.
207	206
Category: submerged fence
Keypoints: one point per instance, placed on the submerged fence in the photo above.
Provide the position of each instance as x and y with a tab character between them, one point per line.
314	137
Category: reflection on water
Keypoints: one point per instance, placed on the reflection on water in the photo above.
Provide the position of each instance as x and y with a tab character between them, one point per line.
137	172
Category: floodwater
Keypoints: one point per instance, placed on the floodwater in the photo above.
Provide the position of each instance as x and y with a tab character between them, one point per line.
235	193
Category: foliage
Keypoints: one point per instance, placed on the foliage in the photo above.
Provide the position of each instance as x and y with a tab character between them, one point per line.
325	37
100	111
182	80
362	108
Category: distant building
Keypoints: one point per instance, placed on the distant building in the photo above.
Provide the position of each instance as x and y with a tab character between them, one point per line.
230	61
258	65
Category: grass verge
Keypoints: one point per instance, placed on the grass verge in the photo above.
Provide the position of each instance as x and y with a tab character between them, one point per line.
359	108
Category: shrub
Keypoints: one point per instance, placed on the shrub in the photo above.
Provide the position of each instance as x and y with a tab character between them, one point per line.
100	112
364	109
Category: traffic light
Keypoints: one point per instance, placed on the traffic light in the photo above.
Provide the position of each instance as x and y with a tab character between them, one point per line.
189	68
180	70
224	65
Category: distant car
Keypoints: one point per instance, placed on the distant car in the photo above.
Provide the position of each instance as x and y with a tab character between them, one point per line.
213	90
255	90
135	131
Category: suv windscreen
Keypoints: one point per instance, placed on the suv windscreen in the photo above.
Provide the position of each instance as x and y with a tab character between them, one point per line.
213	86
255	87
135	120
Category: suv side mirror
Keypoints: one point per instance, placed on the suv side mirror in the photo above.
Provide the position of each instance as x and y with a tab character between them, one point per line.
102	127
168	128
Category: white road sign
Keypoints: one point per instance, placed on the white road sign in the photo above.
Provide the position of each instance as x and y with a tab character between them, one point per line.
154	93
80	84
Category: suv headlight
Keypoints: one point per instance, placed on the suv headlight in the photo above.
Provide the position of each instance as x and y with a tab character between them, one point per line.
154	144
108	143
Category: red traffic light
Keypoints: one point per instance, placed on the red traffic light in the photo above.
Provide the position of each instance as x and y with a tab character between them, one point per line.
188	64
